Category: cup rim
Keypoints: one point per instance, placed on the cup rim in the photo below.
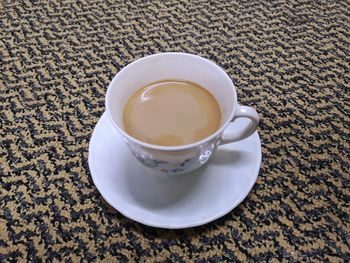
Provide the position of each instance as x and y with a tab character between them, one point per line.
179	147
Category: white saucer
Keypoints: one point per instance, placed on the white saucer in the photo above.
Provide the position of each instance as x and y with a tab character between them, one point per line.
171	201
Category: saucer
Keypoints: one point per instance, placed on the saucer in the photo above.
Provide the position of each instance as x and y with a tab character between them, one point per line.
178	201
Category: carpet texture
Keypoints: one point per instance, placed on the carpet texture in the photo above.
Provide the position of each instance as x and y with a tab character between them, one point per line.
288	59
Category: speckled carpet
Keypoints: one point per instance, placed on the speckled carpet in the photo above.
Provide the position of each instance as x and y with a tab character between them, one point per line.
289	60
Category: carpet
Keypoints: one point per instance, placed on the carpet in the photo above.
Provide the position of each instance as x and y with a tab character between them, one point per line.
288	59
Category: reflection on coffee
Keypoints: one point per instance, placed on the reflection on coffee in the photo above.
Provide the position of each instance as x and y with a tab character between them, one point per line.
171	113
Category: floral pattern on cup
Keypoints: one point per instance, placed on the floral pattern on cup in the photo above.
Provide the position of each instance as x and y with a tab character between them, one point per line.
150	163
174	163
163	166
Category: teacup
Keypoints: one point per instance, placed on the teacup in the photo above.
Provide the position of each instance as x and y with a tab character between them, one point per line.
179	66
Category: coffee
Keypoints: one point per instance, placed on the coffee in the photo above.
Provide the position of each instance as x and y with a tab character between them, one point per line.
171	113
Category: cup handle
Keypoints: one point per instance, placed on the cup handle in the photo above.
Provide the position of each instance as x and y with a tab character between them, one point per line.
246	130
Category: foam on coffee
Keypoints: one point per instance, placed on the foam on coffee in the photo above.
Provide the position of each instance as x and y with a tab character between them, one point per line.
171	113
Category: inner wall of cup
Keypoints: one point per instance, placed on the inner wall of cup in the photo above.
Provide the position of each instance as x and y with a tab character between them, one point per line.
174	66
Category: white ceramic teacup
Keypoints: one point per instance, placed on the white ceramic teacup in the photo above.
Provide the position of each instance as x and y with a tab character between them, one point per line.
178	66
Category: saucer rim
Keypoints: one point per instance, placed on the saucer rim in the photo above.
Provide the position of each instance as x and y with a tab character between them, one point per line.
164	225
